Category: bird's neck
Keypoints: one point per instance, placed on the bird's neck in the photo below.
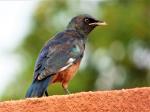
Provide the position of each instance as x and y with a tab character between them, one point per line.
78	31
78	34
73	26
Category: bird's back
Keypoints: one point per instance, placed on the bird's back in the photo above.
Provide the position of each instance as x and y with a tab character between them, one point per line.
57	51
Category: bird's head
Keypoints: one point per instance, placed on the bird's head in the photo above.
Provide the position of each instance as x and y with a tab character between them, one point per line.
84	23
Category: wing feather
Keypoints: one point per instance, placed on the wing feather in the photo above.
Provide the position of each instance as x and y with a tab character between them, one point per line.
57	55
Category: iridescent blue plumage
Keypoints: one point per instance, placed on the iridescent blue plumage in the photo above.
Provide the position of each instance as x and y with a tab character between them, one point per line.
60	57
55	55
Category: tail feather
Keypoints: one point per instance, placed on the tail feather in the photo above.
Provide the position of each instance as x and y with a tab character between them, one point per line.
37	88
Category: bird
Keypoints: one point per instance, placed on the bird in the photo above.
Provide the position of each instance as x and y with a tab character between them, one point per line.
60	58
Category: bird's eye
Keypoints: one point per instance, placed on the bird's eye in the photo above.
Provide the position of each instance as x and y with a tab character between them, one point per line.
86	20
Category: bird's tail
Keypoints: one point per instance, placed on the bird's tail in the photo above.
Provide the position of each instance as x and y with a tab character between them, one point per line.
37	88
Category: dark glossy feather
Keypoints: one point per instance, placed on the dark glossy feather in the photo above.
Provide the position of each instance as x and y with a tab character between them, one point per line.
56	53
62	55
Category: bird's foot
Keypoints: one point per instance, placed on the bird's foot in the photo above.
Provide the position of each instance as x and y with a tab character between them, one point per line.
66	91
46	93
65	87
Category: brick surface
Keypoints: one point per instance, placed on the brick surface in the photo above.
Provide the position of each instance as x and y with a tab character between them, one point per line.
129	100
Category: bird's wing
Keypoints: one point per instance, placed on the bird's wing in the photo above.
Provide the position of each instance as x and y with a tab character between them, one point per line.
57	55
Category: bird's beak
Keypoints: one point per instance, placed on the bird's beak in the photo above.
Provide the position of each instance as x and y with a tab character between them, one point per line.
99	23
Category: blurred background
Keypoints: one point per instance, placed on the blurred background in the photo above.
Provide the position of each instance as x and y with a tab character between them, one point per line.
117	56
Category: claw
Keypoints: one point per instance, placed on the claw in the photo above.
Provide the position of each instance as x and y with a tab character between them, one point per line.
65	87
46	93
66	91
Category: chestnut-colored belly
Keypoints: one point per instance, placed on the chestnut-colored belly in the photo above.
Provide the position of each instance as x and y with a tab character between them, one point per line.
66	75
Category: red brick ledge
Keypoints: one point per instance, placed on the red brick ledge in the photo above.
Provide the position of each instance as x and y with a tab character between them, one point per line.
126	100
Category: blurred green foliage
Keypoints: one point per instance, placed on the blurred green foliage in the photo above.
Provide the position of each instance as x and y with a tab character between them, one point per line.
117	55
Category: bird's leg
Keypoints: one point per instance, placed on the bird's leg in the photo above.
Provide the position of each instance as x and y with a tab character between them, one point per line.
66	91
65	87
46	93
